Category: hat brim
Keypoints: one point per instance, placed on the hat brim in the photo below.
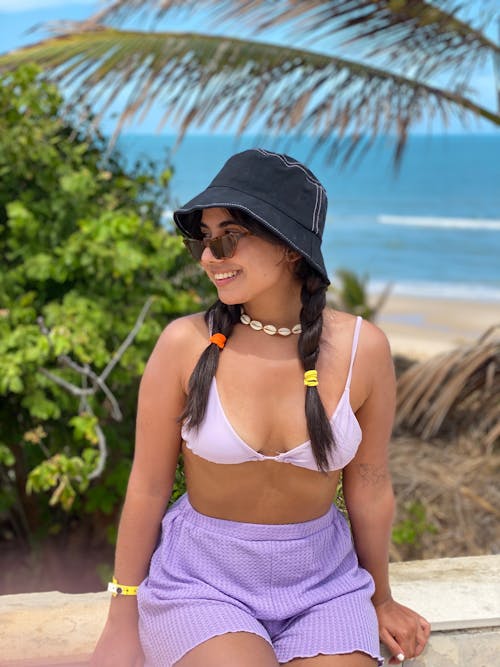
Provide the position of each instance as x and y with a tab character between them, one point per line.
305	242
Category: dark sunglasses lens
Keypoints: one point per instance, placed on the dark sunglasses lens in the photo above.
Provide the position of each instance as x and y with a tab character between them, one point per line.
223	246
195	247
227	245
220	247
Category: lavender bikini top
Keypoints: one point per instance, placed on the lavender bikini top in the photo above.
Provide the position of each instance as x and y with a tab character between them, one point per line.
217	441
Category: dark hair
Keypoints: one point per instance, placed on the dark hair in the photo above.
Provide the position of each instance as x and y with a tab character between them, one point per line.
221	318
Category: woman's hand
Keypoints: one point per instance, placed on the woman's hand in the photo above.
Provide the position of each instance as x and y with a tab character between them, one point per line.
119	644
403	631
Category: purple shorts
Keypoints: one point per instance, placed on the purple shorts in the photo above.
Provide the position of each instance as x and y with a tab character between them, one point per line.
298	586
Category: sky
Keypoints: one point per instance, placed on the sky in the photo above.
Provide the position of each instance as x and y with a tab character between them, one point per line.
19	17
21	6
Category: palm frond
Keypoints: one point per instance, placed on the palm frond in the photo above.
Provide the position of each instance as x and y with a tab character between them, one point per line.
348	292
414	35
199	79
458	389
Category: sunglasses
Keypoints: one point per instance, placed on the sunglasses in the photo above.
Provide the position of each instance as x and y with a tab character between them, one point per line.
221	247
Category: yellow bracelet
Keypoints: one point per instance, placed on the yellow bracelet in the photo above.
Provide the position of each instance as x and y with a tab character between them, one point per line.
119	589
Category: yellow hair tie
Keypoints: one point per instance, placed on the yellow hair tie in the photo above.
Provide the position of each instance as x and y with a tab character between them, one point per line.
311	378
219	340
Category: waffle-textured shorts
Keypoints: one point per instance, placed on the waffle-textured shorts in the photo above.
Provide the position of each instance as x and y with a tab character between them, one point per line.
298	586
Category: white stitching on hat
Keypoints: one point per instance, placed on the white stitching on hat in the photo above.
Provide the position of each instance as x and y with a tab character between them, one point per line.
315	221
320	193
312	181
317	208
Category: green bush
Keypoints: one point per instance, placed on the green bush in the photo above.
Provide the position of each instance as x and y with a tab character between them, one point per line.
83	250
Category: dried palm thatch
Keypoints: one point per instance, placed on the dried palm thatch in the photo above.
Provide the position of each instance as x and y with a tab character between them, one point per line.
457	484
443	457
452	393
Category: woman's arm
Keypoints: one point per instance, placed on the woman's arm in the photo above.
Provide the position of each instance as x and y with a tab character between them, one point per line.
158	439
369	496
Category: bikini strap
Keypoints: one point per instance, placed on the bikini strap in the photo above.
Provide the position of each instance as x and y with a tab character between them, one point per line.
210	323
355	338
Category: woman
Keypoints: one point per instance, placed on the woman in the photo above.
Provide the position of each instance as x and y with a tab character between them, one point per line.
254	566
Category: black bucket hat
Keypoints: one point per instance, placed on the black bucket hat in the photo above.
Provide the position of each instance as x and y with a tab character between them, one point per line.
276	190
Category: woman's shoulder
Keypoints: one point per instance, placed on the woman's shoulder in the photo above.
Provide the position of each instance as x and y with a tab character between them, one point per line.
340	327
189	328
370	356
181	343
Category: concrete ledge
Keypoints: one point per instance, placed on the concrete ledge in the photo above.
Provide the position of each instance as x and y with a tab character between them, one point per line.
49	629
452	593
459	596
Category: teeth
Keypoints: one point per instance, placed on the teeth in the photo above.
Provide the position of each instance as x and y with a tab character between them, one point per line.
221	276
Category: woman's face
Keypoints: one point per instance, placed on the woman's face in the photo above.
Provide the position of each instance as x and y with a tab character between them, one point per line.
256	268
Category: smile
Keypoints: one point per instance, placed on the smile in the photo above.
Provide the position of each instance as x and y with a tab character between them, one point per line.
225	275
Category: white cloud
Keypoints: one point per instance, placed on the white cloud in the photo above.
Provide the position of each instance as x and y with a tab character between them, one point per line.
16	6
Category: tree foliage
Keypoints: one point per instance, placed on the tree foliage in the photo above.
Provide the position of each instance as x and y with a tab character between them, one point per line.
83	253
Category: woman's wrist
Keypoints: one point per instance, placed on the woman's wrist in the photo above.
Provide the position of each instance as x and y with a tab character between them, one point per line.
379	599
123	609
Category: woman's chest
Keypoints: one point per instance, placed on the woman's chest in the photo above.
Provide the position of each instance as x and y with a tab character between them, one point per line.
264	402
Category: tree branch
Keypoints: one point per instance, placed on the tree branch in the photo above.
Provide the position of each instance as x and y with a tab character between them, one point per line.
103	454
98	382
128	340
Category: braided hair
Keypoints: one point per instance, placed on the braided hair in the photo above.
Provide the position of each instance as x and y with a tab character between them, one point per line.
313	298
221	318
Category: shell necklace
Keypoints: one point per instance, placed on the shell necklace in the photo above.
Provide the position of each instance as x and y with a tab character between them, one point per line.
269	329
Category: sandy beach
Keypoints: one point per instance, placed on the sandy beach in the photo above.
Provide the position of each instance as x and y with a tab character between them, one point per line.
419	327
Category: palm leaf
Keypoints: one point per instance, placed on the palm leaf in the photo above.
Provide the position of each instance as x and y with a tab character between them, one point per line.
200	78
411	34
348	292
460	387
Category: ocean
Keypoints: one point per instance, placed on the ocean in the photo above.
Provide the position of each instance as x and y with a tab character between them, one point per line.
432	228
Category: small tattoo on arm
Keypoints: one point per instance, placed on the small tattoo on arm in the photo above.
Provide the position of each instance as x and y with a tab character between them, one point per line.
373	475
